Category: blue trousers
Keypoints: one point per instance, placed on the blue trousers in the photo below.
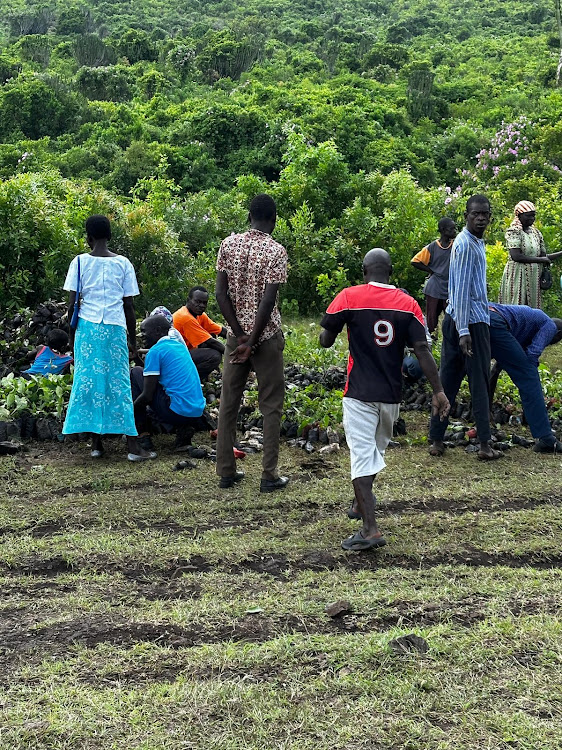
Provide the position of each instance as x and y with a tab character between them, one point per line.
511	357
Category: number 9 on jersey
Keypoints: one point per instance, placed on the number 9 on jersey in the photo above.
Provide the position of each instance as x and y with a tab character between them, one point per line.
384	333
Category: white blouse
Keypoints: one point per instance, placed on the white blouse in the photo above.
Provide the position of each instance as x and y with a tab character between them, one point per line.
104	281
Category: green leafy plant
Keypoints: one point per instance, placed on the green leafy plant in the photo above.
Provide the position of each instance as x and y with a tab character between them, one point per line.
39	396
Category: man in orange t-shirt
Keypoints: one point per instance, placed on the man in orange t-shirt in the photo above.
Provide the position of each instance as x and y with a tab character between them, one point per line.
199	332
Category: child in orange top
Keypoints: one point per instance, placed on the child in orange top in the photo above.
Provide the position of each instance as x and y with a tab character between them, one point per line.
199	331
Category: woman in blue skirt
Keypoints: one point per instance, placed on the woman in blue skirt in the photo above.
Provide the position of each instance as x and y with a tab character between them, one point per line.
101	400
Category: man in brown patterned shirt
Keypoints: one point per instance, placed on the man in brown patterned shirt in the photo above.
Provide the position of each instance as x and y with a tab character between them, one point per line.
250	267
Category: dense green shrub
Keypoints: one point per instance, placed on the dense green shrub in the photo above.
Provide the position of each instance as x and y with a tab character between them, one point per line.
90	51
135	45
36	48
9	68
43	217
224	56
75	19
108	83
32	108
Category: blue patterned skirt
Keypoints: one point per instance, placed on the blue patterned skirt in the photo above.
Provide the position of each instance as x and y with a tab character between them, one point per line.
101	400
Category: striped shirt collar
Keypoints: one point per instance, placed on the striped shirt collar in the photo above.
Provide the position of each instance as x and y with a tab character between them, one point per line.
473	236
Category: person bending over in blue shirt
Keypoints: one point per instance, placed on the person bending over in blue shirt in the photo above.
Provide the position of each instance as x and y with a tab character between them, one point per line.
518	336
466	329
169	382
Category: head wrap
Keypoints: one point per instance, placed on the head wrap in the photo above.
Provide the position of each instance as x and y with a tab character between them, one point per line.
161	310
521	208
524	207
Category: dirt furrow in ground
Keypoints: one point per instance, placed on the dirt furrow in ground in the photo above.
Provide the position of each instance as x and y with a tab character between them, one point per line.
279	565
25	644
254	520
42	529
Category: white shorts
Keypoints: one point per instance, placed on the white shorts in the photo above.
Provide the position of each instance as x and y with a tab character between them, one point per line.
368	431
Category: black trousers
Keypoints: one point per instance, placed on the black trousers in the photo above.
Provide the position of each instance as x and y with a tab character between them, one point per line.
454	366
206	360
160	406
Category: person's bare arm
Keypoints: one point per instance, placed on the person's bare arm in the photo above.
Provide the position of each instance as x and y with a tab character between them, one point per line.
265	308
519	257
27	359
327	338
69	314
212	343
225	305
421	267
553	256
130	319
149	387
439	402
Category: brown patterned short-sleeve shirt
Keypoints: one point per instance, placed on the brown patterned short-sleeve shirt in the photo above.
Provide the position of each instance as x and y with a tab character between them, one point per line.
251	260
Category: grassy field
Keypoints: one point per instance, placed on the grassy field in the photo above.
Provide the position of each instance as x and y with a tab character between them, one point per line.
146	609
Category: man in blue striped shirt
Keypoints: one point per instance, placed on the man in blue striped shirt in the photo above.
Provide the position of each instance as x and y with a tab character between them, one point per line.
465	348
518	336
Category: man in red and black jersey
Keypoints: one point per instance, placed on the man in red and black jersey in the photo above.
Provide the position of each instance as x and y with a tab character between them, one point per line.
380	320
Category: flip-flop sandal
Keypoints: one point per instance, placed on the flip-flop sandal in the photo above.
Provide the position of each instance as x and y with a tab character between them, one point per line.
136	457
354	514
358	542
487	457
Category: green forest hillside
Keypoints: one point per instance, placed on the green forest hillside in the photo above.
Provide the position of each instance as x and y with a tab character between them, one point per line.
367	121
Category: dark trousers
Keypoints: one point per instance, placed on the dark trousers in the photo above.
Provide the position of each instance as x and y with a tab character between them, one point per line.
267	363
511	357
160	405
206	360
454	366
433	309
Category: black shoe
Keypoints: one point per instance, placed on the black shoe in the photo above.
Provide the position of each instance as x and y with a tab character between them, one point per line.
226	482
270	485
184	436
146	443
541	447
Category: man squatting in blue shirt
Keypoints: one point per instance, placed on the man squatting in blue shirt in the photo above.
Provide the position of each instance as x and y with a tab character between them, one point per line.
169	382
465	347
518	336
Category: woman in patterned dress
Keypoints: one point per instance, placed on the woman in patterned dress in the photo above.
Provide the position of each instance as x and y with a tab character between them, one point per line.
101	401
521	277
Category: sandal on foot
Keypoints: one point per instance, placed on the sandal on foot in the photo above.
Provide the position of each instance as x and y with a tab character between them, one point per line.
358	542
136	457
354	514
489	457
